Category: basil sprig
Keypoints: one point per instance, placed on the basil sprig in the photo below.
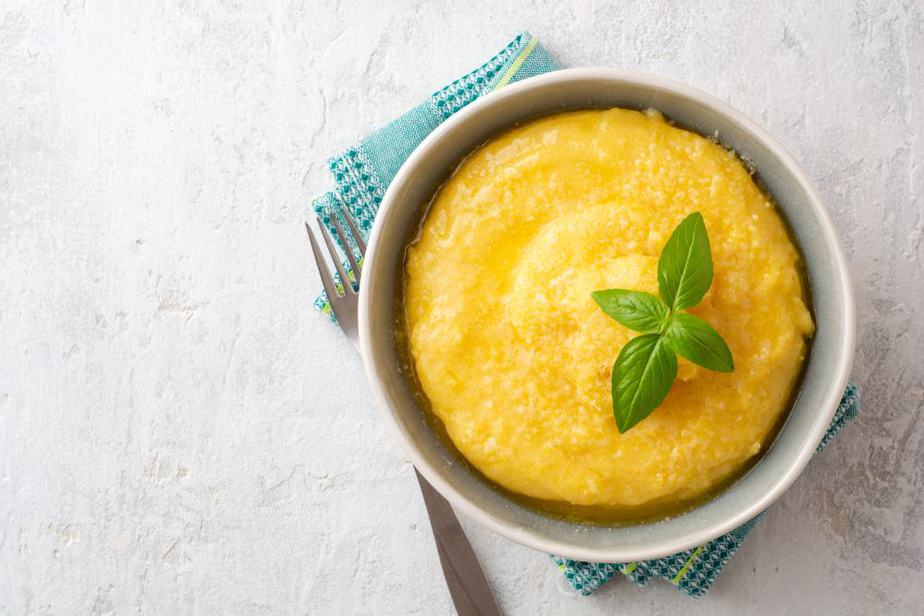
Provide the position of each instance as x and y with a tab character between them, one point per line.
647	365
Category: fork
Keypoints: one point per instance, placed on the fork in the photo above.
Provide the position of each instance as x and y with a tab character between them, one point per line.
468	587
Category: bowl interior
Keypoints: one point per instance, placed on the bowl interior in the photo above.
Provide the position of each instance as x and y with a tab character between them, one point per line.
825	375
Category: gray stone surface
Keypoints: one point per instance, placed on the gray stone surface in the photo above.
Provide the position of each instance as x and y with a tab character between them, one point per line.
180	433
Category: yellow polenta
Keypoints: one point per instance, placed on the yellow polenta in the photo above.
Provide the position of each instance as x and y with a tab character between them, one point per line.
515	356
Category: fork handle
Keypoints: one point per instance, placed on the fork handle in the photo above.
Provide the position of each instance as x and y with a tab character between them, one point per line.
468	587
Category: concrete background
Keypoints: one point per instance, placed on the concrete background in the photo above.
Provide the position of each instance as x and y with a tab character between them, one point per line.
180	433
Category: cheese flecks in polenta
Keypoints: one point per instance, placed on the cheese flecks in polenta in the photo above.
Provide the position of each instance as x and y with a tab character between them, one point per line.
513	353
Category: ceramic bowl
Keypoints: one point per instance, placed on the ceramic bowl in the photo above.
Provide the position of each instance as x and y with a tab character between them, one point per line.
402	210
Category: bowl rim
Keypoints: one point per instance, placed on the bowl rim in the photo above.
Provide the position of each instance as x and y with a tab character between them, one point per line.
661	547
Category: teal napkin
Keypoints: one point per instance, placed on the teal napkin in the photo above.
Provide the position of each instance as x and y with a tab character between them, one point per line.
361	175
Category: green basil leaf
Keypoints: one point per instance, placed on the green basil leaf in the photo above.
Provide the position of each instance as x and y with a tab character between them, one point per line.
637	310
691	337
642	376
685	266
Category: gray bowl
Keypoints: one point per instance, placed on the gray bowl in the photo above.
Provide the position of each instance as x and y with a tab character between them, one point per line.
380	304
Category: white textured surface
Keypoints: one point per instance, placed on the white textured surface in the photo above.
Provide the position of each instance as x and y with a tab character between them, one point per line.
180	432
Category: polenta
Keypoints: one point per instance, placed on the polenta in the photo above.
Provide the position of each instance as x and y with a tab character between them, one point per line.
515	356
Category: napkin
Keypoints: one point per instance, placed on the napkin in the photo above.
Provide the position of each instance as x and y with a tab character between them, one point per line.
362	173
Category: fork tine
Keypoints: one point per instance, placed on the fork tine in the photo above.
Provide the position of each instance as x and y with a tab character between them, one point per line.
355	230
327	280
335	257
347	248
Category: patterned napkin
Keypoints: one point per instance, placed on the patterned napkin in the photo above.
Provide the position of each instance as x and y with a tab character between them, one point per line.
361	175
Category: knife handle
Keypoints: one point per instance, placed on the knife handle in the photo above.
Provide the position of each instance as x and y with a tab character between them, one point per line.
468	587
